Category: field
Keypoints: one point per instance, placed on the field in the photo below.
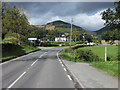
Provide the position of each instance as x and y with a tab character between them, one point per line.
111	66
112	51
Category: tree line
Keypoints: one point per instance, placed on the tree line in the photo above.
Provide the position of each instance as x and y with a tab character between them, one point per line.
16	28
112	18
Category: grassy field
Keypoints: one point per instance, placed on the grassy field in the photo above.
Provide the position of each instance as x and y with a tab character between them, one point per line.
15	51
110	66
112	51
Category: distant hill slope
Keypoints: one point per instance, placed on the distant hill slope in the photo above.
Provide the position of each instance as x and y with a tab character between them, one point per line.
61	24
58	24
107	28
62	27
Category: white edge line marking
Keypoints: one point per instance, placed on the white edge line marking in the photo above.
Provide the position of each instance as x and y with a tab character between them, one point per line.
65	69
72	73
17	80
69	77
62	65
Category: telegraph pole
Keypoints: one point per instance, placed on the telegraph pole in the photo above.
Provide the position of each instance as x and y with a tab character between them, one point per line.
71	32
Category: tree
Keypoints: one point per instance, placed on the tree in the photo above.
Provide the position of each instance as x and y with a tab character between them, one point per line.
14	21
88	38
106	36
112	16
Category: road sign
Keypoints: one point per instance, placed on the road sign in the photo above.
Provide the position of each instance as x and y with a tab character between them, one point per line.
32	38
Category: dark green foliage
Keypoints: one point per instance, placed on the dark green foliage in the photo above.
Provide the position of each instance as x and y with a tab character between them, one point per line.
106	28
106	36
80	55
112	16
112	20
64	28
88	38
15	26
86	55
14	21
10	51
61	24
111	35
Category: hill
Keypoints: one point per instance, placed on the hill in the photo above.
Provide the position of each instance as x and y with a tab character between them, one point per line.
61	24
107	28
55	25
62	27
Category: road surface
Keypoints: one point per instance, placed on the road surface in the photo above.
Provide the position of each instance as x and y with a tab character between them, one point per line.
41	69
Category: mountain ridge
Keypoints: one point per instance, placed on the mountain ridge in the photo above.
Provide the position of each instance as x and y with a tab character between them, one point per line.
106	28
59	24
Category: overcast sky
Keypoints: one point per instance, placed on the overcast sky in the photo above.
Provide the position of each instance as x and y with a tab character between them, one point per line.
86	15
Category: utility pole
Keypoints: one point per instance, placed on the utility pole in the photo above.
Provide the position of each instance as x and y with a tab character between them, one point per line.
71	32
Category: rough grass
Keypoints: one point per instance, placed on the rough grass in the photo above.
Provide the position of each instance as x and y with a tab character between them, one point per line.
112	51
66	56
15	51
110	66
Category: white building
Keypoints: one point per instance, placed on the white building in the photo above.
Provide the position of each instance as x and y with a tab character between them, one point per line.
60	39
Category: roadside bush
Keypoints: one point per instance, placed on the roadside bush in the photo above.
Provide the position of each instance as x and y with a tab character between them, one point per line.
68	50
86	55
9	47
80	42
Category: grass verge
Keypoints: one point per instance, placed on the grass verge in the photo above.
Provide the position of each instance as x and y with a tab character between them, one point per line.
110	66
13	51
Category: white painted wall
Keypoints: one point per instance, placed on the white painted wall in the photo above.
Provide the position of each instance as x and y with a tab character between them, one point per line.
62	39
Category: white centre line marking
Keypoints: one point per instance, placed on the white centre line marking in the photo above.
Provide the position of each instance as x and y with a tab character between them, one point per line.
34	62
69	77
17	79
42	54
65	69
62	65
37	59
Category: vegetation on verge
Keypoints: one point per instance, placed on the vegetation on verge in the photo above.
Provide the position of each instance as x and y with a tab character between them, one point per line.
10	51
15	33
95	56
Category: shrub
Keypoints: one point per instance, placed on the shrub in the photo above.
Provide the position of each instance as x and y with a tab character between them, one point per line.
86	55
68	50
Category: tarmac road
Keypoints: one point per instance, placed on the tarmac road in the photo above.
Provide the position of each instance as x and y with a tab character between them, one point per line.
41	69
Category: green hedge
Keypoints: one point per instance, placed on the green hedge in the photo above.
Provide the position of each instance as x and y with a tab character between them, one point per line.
77	55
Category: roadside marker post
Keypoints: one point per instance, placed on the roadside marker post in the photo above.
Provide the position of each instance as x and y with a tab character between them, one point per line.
105	52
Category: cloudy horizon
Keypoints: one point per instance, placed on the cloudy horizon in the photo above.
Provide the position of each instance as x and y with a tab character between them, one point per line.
85	14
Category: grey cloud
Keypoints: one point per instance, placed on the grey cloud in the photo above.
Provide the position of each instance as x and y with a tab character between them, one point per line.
91	7
42	12
63	9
